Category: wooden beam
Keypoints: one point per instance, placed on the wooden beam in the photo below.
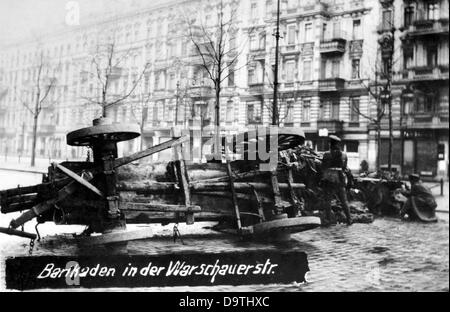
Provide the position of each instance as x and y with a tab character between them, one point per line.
132	206
150	151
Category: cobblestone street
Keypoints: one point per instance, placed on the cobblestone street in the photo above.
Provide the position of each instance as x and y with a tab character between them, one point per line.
387	255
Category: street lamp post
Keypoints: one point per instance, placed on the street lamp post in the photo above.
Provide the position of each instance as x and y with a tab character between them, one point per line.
275	118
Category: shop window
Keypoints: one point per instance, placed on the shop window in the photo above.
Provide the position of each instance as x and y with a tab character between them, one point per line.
352	146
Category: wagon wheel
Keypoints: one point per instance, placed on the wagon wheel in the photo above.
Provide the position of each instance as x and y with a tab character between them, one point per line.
105	132
421	214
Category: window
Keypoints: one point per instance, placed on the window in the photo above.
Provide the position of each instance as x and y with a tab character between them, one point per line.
355	68
254	112
157	81
306	108
230	112
155	112
289	112
335	110
409	15
268	7
387	19
407	57
253	43
323	69
335	68
424	103
352	146
386	67
431	55
307	70
322	108
262	42
230	75
337	29
291	34
324	32
433	11
254	10
290	69
354	109
308	32
357	29
251	76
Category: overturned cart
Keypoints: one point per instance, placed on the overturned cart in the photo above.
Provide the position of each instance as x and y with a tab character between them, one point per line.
109	192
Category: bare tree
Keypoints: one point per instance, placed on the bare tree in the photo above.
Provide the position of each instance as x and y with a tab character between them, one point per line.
107	65
380	90
219	58
276	107
34	98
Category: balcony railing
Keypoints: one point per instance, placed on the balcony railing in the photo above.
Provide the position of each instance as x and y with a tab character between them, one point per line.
333	45
425	73
423	26
257	54
331	84
257	87
290	49
333	126
431	120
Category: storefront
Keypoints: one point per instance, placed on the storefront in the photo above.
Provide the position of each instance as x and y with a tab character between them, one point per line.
425	152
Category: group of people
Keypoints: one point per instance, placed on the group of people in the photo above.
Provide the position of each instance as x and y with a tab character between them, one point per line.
335	179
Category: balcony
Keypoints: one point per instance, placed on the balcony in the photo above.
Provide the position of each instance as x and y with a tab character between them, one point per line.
313	9
331	84
201	91
256	88
426	121
290	49
425	73
425	27
333	126
257	55
333	46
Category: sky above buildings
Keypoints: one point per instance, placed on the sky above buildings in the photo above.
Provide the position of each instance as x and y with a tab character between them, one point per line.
30	18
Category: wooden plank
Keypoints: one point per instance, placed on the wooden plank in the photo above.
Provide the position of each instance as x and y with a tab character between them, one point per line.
145	217
47	205
10	231
237	213
132	206
241	186
241	196
147	187
43	188
150	151
79	179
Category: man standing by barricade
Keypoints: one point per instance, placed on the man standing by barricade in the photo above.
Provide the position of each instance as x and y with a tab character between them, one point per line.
334	165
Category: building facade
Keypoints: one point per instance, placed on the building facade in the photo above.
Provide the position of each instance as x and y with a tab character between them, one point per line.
420	85
328	57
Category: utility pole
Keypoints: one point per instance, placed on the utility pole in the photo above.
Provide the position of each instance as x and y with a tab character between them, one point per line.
275	118
177	103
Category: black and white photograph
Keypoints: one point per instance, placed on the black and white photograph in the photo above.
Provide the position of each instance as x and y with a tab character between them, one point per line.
224	146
